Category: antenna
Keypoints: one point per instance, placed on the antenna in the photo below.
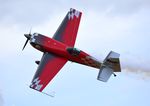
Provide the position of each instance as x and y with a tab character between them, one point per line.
51	95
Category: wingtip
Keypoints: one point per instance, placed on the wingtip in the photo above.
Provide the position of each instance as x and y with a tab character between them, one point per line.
73	9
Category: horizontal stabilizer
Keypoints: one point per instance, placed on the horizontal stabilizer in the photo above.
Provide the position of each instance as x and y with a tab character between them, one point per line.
110	65
104	73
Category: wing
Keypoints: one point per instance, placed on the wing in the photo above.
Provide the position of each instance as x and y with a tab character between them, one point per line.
68	29
47	69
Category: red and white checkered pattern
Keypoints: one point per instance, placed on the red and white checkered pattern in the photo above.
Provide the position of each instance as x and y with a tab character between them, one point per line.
89	61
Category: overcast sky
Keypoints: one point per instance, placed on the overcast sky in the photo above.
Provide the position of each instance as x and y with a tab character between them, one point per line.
119	25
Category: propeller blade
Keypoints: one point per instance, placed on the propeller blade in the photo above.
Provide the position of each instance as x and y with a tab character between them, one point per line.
25	44
30	31
28	36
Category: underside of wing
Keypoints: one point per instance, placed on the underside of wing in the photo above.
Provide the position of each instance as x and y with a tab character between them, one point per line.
68	29
47	69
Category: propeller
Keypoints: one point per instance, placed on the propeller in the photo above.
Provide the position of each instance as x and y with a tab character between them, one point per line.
28	36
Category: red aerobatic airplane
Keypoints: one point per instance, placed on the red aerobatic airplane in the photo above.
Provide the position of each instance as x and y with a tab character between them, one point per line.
59	49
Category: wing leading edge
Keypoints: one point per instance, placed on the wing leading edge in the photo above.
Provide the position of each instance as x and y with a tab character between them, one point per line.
47	69
67	31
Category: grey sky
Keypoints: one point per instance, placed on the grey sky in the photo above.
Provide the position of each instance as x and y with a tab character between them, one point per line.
36	12
1	100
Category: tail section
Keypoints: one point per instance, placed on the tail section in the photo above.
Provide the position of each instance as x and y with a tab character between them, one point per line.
110	65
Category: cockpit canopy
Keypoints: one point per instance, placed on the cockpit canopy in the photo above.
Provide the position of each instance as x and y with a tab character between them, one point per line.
73	51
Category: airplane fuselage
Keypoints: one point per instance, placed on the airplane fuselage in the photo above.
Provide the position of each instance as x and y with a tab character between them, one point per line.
60	48
46	44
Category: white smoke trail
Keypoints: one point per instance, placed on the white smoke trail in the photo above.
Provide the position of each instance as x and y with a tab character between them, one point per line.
143	73
136	66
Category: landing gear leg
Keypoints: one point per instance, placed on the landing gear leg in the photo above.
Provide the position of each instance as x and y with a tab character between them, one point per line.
114	74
